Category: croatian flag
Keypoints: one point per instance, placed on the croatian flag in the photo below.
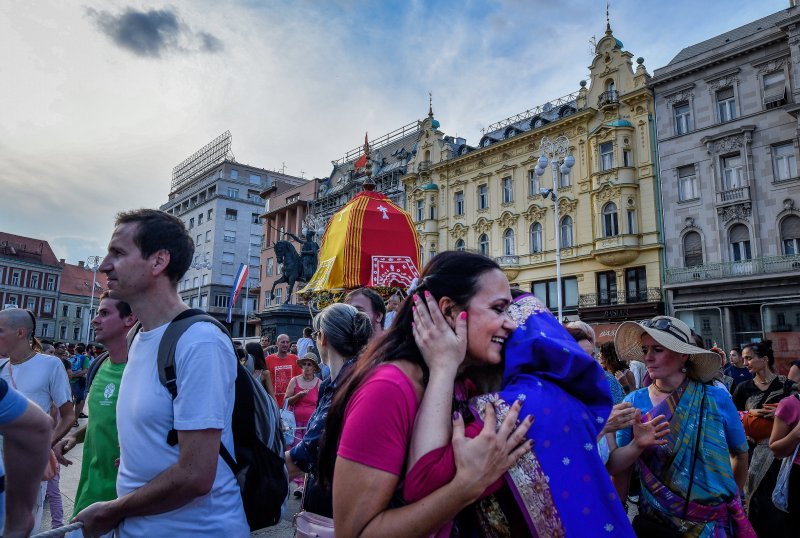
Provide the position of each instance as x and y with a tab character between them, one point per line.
241	278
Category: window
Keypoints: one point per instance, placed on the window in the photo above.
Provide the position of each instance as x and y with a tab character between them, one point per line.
726	104
459	200
191	223
227	258
508	190
13	300
483	244
536	238
627	158
210	214
606	156
420	210
31	304
563	179
687	183
432	212
76	333
199	219
460	246
199	240
508	243
208	236
278	295
790	235
732	172
692	250
65	310
254	218
48	306
636	285
233	193
51	283
229	236
35	281
255	240
774	86
204	280
16	278
606	288
221	301
631	221
254	197
566	232
739	237
234	173
231	214
45	329
610	225
255	179
267	298
683	118
226	280
62	332
78	312
784	162
270	266
547	292
483	197
533	183
195	282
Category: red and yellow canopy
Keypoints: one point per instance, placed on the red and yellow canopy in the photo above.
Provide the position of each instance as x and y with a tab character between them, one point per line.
369	242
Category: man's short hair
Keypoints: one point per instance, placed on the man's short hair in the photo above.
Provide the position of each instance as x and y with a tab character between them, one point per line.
123	308
307	332
157	230
737	349
378	305
80	348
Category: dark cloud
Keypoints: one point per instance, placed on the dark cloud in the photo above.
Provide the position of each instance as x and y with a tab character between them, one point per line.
152	33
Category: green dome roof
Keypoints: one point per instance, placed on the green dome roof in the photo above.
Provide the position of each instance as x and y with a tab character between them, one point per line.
620	123
430	187
435	124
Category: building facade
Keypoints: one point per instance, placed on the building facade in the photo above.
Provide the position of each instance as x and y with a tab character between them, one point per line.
727	112
221	206
76	302
30	276
487	198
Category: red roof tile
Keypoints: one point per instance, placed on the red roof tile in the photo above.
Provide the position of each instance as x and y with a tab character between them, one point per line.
75	280
29	248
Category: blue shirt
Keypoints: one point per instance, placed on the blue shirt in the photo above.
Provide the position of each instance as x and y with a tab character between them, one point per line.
617	394
12	405
734	433
739	375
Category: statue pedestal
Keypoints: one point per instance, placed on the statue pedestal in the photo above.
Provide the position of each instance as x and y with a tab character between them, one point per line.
289	319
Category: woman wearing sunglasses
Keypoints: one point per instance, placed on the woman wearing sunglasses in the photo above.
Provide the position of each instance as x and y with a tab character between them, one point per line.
691	480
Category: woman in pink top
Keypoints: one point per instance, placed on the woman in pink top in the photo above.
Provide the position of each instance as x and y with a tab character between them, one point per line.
369	426
783	443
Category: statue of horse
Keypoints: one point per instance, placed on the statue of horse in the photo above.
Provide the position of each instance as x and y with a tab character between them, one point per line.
292	268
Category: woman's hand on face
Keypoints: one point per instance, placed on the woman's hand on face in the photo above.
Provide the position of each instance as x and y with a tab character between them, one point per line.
484	459
650	434
442	346
622	416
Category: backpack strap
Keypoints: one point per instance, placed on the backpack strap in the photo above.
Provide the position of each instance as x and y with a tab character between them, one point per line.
94	368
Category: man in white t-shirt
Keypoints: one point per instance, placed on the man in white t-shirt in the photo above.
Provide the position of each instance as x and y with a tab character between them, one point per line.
187	489
306	343
38	377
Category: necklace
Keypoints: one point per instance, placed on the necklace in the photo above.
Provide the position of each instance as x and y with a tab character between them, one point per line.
766	381
662	391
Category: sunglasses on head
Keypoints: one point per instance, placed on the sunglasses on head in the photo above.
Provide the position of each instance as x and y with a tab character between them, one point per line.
665	325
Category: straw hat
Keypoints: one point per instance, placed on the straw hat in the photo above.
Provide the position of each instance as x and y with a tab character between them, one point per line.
309	357
671	333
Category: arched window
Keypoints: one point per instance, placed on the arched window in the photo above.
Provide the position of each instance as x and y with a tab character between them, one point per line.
790	235
739	237
508	242
692	249
483	244
536	237
610	221
460	245
610	87
566	232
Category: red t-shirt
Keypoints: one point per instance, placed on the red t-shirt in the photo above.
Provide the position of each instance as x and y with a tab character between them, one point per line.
378	421
282	371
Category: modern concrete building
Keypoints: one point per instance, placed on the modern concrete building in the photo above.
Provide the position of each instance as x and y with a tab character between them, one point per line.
30	276
220	202
487	197
76	302
727	115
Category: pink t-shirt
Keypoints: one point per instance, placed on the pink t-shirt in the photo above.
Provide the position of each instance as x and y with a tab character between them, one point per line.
789	411
379	419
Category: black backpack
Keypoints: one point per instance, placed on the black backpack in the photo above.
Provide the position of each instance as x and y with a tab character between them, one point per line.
259	467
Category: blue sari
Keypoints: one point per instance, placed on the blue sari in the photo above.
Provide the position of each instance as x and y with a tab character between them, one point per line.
561	486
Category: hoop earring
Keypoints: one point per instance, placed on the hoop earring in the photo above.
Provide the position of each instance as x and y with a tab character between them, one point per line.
683	369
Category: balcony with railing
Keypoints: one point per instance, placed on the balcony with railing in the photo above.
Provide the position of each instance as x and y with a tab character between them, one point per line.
424	166
733	196
648	295
509	265
766	265
609	98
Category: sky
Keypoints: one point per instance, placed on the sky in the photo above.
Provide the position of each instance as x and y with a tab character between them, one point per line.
101	99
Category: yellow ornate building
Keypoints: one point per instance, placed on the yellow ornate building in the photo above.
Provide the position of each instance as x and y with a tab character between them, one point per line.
487	198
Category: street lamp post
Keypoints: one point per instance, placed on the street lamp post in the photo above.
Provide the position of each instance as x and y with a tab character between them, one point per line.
557	149
92	264
198	266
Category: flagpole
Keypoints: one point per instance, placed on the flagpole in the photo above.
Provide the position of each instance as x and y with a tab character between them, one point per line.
247	289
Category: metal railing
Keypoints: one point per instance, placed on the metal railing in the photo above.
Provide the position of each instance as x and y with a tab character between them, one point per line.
379	142
507	260
569	99
611	97
713	271
733	195
648	295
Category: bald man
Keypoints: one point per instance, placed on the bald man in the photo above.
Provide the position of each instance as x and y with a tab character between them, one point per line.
282	367
36	375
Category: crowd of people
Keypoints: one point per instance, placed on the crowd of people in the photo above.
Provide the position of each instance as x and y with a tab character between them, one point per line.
460	408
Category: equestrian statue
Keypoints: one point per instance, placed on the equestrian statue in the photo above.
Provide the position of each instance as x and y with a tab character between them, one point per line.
295	267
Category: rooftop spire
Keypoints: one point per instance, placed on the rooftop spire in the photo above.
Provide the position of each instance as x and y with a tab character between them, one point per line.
430	104
608	21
